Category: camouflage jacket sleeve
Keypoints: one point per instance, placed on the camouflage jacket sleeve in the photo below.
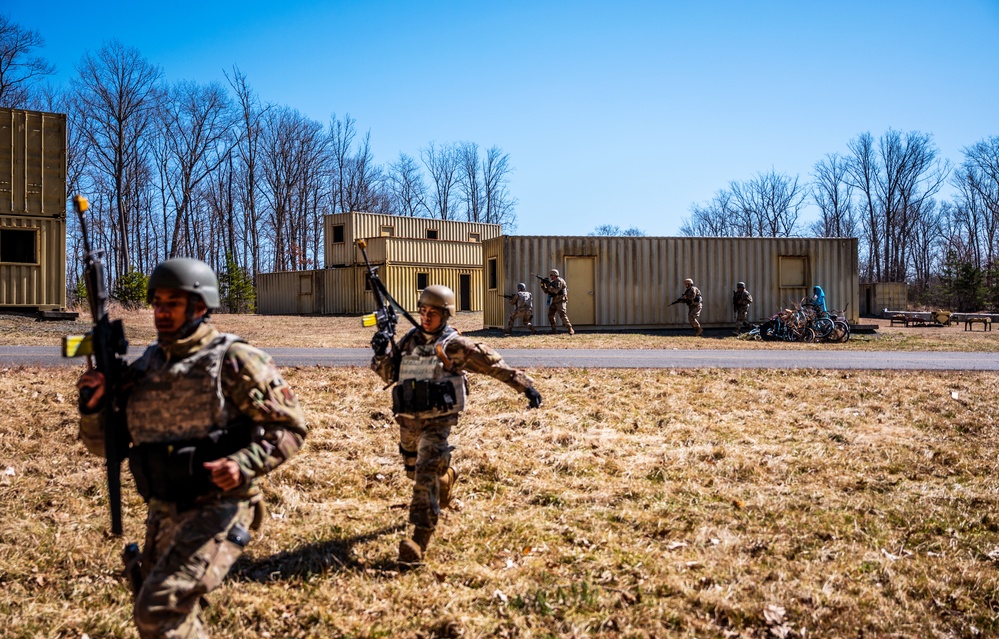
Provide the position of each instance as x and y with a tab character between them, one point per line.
251	382
476	357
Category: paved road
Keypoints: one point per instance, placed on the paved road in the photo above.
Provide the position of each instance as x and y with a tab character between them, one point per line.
610	358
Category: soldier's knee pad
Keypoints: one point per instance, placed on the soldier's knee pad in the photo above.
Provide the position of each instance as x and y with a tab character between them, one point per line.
409	461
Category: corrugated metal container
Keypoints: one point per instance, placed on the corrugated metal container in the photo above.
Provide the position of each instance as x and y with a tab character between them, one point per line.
342	229
876	297
629	282
33	262
340	291
32	163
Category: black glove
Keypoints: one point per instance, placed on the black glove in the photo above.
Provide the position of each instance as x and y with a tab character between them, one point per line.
380	342
533	397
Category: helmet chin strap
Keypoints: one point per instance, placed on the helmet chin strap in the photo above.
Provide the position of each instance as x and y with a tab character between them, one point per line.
190	325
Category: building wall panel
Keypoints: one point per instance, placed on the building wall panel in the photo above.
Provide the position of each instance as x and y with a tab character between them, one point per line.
635	279
369	225
32	163
41	285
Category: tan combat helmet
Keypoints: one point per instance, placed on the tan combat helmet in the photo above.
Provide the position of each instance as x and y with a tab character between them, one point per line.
186	274
438	296
688	282
521	287
554	272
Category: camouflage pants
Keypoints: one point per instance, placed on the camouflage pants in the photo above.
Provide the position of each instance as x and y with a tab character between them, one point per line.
693	314
186	556
741	317
557	308
423	444
525	314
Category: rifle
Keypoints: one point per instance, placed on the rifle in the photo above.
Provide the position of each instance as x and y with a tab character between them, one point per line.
106	344
676	301
509	297
384	316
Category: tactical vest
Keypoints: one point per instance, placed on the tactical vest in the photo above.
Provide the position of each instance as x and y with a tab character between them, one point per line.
178	419
426	386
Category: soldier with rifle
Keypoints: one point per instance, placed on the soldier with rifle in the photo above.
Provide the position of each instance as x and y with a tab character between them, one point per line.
202	415
523	308
558	299
427	368
691	296
741	299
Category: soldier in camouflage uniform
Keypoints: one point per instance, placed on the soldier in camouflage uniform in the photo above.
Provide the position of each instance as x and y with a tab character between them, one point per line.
523	304
741	299
692	298
208	415
428	367
558	299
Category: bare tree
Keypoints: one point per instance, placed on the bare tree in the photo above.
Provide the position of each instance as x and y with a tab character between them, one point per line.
197	122
977	181
895	179
767	205
19	67
443	164
832	192
613	230
247	149
117	90
498	203
406	186
469	182
711	219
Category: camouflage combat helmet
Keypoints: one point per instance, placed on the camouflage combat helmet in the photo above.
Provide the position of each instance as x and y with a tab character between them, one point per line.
688	282
186	274
521	287
741	285
554	272
438	296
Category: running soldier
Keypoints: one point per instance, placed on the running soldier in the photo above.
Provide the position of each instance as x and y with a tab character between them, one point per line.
523	308
692	298
741	299
428	367
558	298
207	415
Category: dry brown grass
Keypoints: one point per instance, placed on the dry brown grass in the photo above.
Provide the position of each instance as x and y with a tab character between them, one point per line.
633	504
346	332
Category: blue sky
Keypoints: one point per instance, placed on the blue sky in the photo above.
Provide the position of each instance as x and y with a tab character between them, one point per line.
612	112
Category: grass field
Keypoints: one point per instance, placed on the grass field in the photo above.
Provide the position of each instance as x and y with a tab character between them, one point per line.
632	504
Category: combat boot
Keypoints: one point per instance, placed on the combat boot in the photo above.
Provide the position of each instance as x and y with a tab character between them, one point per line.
411	550
554	331
571	332
699	331
533	332
447	482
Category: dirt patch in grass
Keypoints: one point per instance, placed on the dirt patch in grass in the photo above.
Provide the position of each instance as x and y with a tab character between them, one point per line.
632	504
347	332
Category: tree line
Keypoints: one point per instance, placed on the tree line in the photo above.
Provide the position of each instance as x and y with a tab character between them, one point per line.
884	191
213	172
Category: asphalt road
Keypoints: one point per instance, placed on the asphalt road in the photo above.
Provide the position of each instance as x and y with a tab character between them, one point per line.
609	358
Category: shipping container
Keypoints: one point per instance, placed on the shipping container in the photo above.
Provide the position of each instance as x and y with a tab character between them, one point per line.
878	296
629	282
343	229
344	291
32	209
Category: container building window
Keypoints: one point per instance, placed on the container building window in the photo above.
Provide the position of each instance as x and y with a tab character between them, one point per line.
388	231
338	233
492	273
431	234
474	237
18	246
793	271
421	281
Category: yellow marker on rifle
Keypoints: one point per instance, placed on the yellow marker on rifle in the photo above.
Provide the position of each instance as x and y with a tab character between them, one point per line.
77	345
81	203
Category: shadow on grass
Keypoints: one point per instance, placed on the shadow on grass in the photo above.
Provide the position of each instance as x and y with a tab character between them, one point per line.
315	558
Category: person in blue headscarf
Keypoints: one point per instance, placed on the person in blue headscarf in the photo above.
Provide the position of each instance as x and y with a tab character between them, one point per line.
818	299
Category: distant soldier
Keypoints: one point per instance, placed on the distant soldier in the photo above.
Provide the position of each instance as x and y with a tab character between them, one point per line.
692	298
207	415
558	294
741	299
523	308
428	368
